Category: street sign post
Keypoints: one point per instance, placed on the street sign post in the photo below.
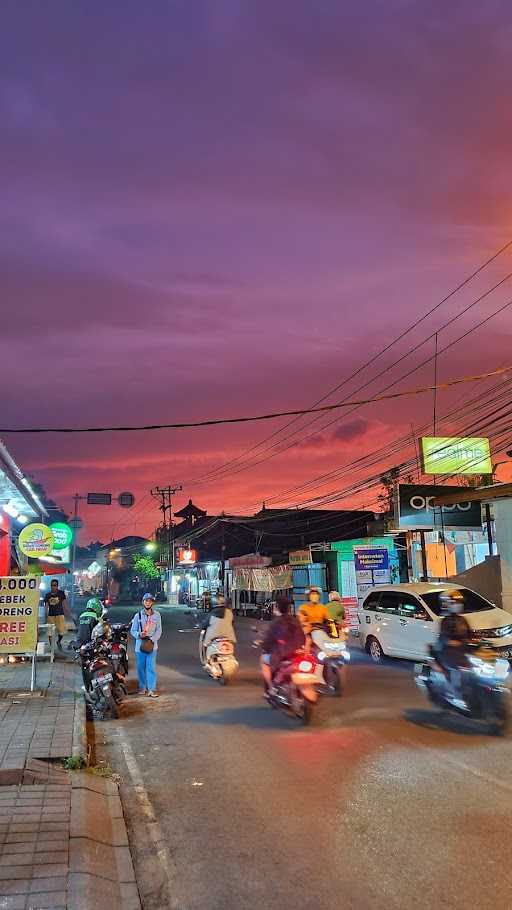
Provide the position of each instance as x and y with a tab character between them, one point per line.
99	499
126	500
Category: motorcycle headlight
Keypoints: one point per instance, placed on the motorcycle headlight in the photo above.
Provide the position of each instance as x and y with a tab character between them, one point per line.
502	668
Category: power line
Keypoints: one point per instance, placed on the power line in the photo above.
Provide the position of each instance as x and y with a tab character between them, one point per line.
247	419
388	386
368	363
279	446
320	479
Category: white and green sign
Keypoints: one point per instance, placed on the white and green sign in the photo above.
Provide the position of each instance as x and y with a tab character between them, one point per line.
456	455
62	535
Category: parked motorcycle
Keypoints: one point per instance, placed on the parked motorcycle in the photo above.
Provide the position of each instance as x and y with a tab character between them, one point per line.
104	687
218	659
119	646
481	694
333	654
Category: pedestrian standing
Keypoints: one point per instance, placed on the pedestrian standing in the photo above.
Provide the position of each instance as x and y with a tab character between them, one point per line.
146	630
56	603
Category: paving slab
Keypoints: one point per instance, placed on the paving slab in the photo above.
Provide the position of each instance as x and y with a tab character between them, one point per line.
46	859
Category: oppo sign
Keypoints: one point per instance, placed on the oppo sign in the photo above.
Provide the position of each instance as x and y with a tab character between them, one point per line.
416	509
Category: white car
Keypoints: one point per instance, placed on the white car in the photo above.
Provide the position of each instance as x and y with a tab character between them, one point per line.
403	620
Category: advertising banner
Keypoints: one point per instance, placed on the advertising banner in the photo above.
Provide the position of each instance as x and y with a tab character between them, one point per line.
19	603
371	558
417	513
300	557
455	455
36	540
273	578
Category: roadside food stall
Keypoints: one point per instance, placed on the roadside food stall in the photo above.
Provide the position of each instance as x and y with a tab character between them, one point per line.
254	583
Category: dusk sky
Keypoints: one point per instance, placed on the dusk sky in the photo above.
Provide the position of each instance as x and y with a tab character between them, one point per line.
223	208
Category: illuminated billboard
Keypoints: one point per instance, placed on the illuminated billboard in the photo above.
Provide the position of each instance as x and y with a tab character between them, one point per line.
455	455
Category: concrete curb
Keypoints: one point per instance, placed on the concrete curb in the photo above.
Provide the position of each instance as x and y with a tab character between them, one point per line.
100	864
80	747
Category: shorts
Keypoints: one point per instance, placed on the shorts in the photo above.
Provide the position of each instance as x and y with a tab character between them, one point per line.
265	659
59	622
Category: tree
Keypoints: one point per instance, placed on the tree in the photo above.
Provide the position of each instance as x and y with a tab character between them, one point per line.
389	481
145	566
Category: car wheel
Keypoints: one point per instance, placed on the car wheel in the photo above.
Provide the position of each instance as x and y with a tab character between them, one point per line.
374	650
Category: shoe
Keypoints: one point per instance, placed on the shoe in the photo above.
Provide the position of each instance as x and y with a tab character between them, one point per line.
153	694
141	692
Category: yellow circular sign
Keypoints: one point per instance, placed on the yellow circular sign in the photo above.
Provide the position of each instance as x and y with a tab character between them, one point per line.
36	540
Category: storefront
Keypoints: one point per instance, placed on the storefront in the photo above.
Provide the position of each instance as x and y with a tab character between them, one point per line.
19	505
252	581
442	541
188	583
363	564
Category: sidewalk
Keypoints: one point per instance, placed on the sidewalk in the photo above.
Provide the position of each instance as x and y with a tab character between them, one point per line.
63	841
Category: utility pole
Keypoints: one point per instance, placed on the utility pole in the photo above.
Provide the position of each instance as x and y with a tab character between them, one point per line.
164	495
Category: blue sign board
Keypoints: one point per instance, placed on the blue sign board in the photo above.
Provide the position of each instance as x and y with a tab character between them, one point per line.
371	558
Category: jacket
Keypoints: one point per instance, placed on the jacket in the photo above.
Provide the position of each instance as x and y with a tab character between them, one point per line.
284	637
155	628
219	624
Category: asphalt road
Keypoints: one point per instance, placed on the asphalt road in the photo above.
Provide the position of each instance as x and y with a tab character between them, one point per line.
379	805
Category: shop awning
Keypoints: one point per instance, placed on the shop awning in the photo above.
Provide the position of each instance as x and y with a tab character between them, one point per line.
271	578
15	490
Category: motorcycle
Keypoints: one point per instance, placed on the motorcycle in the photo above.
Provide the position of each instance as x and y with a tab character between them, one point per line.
482	694
218	659
104	687
332	652
119	646
295	684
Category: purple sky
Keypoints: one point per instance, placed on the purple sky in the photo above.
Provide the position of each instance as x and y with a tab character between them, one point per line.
225	207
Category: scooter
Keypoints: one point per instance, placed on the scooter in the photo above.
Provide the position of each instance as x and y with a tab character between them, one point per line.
218	659
481	695
334	655
119	646
295	684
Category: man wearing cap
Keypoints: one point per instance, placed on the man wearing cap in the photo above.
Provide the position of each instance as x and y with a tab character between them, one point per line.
146	630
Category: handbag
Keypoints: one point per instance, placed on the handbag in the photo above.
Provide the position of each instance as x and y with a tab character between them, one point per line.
146	644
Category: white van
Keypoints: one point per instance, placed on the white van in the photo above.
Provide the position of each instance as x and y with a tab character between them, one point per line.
403	620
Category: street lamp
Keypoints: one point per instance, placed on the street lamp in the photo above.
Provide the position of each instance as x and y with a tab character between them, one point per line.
150	547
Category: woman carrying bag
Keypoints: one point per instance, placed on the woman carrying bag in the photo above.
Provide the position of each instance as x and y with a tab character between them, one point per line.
146	630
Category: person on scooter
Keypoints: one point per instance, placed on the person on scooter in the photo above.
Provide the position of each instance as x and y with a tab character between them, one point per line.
284	637
218	623
454	635
313	612
335	608
88	619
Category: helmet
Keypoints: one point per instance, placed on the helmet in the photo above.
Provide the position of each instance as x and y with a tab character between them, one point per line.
334	595
451	602
95	606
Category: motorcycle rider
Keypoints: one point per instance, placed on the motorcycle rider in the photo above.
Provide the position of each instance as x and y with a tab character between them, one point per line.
88	619
218	623
313	612
335	608
284	637
454	634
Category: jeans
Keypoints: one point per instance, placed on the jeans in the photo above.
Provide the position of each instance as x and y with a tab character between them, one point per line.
146	670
